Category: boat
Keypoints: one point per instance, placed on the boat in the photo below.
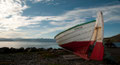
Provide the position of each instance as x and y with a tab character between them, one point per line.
84	40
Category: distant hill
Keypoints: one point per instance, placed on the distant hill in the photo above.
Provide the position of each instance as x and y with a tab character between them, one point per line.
115	38
27	40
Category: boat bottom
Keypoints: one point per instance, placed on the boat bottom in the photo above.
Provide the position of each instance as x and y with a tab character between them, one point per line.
81	48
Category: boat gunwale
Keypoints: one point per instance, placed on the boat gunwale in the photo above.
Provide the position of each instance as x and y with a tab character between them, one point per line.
74	27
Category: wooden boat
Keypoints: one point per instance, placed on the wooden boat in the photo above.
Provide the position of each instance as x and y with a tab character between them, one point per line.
84	40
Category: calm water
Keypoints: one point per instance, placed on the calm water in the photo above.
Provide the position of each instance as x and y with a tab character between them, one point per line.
33	44
117	44
28	44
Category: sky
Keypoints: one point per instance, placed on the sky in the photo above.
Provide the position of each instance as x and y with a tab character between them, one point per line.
46	18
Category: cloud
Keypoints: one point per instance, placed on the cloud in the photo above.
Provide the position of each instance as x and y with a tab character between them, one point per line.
78	16
11	7
12	34
82	14
11	15
45	1
50	30
113	18
11	18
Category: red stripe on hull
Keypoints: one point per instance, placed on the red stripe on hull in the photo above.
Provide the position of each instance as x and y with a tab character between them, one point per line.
79	48
98	52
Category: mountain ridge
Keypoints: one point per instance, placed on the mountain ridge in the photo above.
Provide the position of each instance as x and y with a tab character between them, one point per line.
29	39
115	38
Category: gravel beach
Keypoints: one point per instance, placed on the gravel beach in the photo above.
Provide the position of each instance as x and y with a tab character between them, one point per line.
50	57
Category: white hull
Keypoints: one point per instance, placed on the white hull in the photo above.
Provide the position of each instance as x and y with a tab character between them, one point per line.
77	33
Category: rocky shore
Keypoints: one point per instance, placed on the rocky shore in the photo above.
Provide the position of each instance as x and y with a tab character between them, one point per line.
44	57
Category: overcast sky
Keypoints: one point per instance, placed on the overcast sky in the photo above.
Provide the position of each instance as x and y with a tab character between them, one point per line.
46	18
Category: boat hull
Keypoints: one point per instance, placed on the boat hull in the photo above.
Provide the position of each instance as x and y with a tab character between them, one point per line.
84	40
81	32
79	48
84	48
77	39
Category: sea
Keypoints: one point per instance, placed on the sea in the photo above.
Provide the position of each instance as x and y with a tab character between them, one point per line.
117	44
27	44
